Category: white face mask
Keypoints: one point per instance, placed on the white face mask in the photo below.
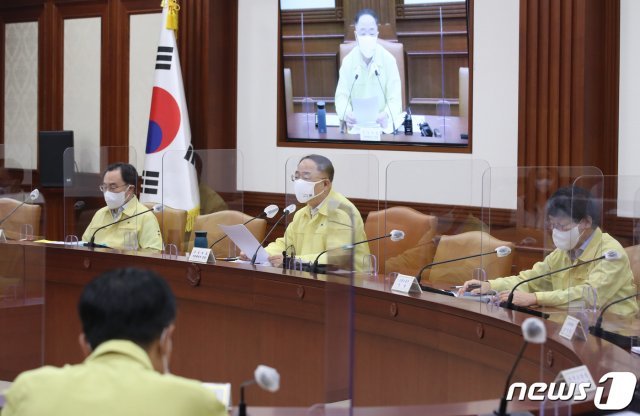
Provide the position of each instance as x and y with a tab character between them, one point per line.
566	240
305	190
115	200
367	45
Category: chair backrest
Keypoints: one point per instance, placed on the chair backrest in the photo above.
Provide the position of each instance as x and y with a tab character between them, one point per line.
288	91
633	252
396	49
415	250
173	223
26	214
460	245
210	222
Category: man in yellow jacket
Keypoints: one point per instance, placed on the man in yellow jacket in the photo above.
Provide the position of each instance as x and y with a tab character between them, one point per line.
127	321
326	222
119	186
574	219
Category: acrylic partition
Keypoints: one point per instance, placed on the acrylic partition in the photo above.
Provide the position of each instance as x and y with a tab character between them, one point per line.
22	269
438	206
210	180
83	198
339	274
407	92
355	176
609	304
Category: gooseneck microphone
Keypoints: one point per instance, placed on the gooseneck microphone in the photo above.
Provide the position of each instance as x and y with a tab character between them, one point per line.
288	210
269	212
92	243
344	112
620	340
501	251
394	235
534	332
610	255
386	102
32	197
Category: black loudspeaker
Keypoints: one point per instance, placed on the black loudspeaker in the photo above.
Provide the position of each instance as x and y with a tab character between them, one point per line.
51	159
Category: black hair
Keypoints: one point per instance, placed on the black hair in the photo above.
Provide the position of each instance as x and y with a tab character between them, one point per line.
130	304
128	172
574	202
324	165
365	12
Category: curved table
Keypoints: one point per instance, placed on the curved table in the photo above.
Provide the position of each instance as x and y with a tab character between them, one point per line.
411	355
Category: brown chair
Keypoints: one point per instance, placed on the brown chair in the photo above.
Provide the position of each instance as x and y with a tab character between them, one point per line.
210	222
406	256
396	49
460	245
27	214
173	223
633	252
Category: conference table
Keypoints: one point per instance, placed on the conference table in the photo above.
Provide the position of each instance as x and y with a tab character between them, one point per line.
412	353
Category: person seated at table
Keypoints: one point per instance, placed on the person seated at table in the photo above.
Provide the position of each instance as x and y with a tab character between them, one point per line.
210	200
127	320
574	220
324	223
119	188
377	75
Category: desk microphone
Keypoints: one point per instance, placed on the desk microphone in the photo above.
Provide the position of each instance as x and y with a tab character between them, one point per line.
501	251
288	210
92	243
394	235
32	197
268	212
622	341
349	99
386	102
610	255
534	332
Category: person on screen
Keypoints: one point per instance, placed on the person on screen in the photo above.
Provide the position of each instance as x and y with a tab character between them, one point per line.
574	220
371	71
119	187
127	318
324	222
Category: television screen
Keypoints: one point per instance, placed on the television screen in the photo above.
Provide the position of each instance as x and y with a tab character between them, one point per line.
397	73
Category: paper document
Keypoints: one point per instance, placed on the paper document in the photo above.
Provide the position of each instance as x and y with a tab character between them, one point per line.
365	110
333	120
242	237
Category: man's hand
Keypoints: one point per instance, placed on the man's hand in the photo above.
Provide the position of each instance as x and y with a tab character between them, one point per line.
243	256
383	119
519	298
474	286
350	119
276	260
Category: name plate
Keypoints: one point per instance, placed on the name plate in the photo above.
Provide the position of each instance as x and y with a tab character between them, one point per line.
406	284
571	327
202	255
370	134
577	375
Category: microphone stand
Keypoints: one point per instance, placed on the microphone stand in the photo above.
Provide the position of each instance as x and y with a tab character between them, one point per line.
384	94
620	340
343	123
314	267
92	243
255	255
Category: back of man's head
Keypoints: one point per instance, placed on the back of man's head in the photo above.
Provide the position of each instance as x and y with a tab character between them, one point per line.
574	202
127	304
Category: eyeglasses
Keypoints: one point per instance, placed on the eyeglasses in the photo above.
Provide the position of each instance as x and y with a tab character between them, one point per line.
305	176
110	187
560	227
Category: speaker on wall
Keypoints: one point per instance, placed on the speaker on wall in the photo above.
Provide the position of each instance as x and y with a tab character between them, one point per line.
51	160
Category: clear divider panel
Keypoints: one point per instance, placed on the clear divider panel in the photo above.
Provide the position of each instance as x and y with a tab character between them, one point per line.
22	207
85	202
606	290
199	191
314	184
437	204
